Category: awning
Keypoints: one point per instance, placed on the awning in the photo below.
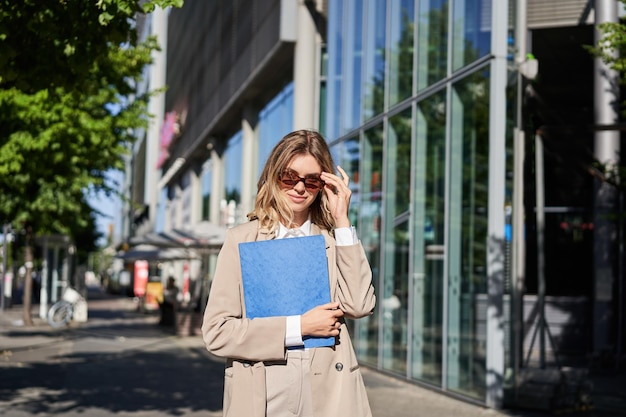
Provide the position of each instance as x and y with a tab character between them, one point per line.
153	253
204	237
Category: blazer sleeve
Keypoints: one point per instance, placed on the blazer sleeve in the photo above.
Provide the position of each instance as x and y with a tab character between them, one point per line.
355	291
225	330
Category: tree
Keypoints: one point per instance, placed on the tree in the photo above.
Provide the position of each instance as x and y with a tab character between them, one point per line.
613	40
69	107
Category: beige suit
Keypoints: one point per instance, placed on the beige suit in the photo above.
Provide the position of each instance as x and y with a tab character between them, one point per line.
337	384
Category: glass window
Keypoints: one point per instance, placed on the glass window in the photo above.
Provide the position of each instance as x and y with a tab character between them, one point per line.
333	80
323	90
346	154
207	179
275	121
159	224
396	244
429	239
467	257
401	50
370	212
432	38
398	150
395	296
185	199
172	204
471	27
231	203
375	40
353	57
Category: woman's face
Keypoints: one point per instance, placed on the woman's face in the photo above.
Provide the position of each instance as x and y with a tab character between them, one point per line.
301	184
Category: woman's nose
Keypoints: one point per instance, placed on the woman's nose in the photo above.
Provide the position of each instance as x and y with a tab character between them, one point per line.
299	187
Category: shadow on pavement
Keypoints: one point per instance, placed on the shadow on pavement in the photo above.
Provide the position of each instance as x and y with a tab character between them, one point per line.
119	362
129	382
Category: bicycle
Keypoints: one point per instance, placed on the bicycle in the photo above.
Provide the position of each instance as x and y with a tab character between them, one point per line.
62	312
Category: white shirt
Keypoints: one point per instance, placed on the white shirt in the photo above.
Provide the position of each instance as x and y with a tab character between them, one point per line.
344	236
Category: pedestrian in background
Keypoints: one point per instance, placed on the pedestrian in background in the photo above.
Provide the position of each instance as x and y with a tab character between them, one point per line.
268	371
170	303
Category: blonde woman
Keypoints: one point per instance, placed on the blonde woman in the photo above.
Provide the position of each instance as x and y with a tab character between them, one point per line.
268	371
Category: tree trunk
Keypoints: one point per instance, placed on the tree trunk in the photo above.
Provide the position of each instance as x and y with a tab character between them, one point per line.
28	279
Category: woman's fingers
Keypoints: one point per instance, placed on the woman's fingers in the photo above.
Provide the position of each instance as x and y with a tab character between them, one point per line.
344	175
339	183
333	305
338	195
322	320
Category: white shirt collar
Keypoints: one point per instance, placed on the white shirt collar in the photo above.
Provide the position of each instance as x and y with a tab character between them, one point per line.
304	230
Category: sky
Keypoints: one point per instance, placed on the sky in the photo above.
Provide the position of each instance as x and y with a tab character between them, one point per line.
110	206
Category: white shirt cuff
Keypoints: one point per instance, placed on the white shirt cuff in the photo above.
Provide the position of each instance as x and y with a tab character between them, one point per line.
346	236
293	336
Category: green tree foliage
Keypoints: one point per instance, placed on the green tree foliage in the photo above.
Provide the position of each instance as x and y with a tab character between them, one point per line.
613	40
69	107
58	143
59	42
612	50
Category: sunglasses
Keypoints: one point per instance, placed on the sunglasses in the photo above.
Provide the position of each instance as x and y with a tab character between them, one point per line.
290	179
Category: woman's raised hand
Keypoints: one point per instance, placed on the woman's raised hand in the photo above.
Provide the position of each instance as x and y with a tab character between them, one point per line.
338	194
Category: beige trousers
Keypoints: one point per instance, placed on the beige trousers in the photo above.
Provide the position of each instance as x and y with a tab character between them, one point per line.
289	386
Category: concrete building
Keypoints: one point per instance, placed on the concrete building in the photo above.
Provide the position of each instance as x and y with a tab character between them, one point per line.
489	239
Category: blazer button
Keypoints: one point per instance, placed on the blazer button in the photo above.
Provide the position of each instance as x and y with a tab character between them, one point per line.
339	366
246	365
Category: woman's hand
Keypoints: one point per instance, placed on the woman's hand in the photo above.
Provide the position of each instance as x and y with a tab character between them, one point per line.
322	321
338	195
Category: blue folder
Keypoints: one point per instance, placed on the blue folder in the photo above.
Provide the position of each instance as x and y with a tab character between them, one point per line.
285	277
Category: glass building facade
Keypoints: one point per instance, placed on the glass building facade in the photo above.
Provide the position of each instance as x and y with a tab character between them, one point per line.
410	116
275	119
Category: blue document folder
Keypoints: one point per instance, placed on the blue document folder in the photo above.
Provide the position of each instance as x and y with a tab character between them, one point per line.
285	277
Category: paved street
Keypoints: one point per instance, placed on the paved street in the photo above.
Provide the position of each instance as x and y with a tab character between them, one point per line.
121	363
118	363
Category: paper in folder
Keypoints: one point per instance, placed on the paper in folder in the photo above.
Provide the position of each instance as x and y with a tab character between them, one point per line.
285	277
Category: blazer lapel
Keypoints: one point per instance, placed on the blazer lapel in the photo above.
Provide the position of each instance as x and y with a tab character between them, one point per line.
265	234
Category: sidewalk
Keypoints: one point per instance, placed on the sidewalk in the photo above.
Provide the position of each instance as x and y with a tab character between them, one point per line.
122	363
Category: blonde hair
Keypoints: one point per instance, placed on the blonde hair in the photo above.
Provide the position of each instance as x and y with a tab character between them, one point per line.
271	206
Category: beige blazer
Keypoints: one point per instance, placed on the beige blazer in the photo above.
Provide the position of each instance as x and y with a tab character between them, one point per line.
337	384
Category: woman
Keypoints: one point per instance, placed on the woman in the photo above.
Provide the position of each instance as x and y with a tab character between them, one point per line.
268	371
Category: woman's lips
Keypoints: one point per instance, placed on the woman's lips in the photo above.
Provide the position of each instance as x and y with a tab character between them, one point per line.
297	198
